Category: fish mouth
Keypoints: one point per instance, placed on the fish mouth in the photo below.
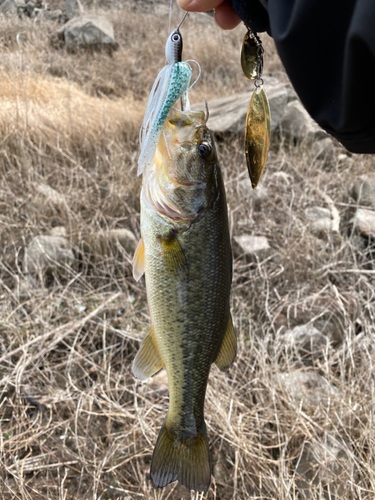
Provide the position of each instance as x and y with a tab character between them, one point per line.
183	119
168	185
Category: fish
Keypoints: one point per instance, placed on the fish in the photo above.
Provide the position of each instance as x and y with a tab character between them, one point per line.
172	82
185	254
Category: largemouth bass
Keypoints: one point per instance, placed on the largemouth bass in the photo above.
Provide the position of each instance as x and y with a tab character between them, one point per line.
186	256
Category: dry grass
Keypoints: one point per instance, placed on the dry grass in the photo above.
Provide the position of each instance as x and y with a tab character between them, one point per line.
74	422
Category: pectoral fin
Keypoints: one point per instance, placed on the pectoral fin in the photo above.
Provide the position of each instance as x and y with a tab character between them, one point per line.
173	255
147	361
228	348
139	261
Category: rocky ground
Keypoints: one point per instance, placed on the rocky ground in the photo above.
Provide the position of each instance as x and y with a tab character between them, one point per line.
293	418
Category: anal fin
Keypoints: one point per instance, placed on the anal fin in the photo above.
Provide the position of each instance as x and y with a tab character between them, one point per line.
139	260
228	349
147	361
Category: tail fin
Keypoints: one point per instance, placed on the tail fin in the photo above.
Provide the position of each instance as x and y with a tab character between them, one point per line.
188	461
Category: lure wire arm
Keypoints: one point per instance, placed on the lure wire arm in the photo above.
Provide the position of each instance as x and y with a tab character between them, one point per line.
182	20
207	111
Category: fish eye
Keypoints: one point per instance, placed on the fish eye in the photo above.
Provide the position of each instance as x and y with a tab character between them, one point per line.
204	150
176	37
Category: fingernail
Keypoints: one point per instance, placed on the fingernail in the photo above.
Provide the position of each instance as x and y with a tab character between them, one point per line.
183	3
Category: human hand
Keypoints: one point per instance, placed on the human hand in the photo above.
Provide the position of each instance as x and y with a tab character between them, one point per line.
225	15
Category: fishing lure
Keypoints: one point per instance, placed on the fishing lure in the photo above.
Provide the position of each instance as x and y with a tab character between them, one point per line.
171	84
257	128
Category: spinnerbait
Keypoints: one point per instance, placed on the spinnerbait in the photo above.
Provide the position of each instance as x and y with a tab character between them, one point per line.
171	83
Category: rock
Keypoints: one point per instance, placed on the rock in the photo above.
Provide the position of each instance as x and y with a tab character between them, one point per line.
45	255
228	114
363	190
297	124
305	339
58	231
9	7
51	197
29	9
277	97
291	93
323	150
325	461
252	246
71	9
109	243
364	222
320	220
88	31
321	227
315	213
307	388
51	15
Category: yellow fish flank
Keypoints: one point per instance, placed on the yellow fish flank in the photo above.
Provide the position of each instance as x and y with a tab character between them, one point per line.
186	256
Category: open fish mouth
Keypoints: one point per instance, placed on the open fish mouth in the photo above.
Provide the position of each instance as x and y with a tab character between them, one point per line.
168	180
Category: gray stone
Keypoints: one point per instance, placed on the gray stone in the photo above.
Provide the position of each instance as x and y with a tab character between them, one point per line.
48	254
58	231
291	93
323	151
305	339
277	97
71	9
51	15
320	220
228	114
325	462
9	7
321	227
252	246
364	222
106	243
363	190
307	388
46	195
315	213
297	124
31	8
88	31
125	238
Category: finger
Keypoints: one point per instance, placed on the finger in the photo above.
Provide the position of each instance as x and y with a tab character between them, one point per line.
199	5
226	17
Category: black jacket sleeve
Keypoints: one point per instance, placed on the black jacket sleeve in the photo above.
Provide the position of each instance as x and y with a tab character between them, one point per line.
328	51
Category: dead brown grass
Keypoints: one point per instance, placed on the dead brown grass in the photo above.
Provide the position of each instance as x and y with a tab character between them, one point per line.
74	422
